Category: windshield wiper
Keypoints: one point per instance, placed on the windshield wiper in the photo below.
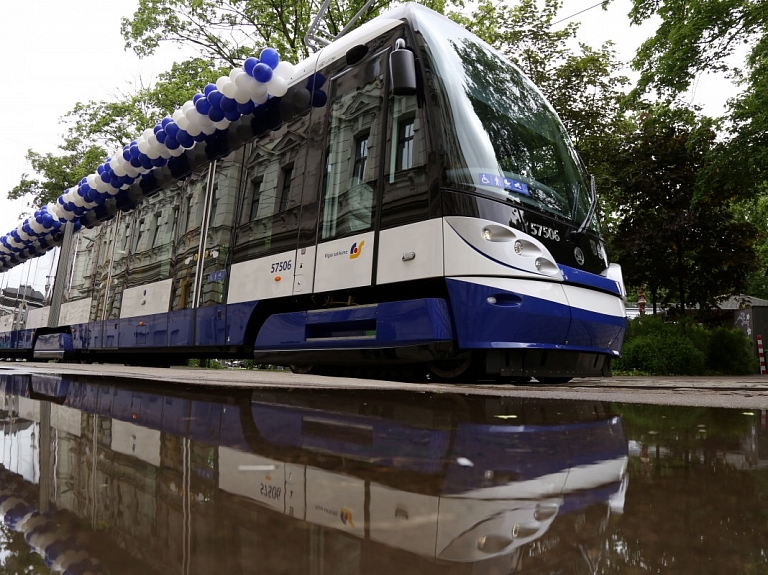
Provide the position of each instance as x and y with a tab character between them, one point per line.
590	212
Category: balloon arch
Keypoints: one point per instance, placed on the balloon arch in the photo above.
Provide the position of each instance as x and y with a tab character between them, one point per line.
207	113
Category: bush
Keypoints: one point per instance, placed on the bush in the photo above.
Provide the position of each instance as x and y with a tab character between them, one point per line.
730	352
662	354
656	347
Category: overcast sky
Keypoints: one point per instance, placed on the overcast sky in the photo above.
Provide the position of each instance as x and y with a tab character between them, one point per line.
54	54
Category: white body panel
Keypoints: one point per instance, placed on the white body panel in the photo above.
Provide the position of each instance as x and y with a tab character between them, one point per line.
411	252
344	263
73	312
66	419
467	252
136	441
304	277
147	299
29	409
595	301
6	323
335	500
262	278
404	520
37	317
252	476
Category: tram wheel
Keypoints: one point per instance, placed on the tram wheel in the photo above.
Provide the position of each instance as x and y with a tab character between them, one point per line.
302	369
450	369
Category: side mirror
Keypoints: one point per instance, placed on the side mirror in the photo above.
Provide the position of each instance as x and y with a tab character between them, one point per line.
402	69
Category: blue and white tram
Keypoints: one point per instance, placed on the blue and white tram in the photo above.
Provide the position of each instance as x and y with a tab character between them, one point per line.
411	200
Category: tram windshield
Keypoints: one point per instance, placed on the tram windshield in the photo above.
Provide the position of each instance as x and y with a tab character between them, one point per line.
501	135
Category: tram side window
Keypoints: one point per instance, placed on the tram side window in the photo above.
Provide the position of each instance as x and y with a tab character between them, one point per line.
188	239
226	193
353	156
406	189
85	261
276	167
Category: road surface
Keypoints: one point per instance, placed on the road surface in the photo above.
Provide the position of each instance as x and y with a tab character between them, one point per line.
749	392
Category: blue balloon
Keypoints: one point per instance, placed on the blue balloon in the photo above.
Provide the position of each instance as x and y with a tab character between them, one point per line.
214	99
185	139
159	162
134	151
203	106
135	162
209	88
246	108
165	121
249	65
161	135
171	143
146	163
115	181
315	81
233	115
262	72
157	128
171	129
270	57
228	104
100	169
319	98
200	137
216	114
47	221
196	97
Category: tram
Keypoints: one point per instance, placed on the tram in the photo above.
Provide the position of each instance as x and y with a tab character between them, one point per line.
410	200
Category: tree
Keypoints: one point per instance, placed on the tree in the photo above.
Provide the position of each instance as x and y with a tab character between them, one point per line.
96	129
227	31
674	232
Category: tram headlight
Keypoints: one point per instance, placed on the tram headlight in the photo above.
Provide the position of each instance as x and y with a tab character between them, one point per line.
519	247
487	235
537	263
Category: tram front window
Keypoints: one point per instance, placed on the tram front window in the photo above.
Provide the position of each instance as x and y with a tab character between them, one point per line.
503	136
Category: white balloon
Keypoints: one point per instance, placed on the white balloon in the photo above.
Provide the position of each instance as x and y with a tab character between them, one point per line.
112	191
177	152
148	133
36	227
277	86
221	81
234	72
182	123
67	216
260	99
241	80
164	152
153	153
222	124
228	89
119	170
153	141
78	200
192	114
187	105
284	70
194	129
257	90
143	147
91	179
176	115
242	96
208	128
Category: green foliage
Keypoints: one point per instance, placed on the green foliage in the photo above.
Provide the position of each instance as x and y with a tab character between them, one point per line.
674	232
656	347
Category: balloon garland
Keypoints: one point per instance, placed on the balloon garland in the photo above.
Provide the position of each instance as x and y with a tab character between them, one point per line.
207	113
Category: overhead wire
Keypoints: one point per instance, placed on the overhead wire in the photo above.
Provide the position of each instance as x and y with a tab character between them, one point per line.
576	14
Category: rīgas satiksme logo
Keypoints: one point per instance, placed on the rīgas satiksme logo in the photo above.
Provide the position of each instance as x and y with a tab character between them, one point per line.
356	250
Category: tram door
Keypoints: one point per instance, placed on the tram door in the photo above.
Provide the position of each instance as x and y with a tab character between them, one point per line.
346	237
